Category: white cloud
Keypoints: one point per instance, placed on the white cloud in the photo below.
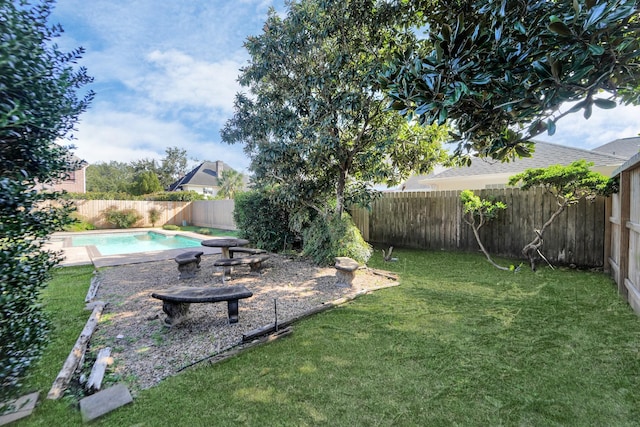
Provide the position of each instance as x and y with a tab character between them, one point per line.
602	127
104	135
181	80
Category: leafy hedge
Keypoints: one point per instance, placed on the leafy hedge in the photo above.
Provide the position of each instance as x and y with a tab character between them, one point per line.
332	237
167	196
262	221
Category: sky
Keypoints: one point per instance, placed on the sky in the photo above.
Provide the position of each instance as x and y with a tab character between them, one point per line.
165	75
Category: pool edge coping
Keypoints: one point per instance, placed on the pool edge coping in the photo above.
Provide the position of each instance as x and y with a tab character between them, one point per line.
91	255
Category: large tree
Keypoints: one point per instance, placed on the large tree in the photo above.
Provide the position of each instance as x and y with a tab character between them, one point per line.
314	122
112	177
39	105
499	71
172	166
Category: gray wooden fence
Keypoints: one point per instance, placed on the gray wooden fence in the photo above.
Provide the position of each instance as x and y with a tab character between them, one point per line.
434	220
624	250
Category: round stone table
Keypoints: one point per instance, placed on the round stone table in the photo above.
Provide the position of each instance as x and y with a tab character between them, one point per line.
224	244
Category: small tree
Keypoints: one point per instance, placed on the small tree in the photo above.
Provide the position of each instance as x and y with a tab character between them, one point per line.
477	212
154	216
231	183
568	184
146	182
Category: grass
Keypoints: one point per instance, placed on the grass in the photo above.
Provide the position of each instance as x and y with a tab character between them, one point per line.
458	343
64	301
210	231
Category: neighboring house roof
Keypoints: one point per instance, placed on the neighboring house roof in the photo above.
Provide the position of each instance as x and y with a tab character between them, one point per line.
206	174
625	147
545	154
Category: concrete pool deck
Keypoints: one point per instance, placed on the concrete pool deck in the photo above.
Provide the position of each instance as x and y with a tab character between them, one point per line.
86	255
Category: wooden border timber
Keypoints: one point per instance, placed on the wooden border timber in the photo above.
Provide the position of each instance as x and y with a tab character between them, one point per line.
70	365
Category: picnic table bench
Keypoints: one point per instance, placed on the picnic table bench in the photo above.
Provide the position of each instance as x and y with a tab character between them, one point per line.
254	262
345	271
188	263
250	251
176	300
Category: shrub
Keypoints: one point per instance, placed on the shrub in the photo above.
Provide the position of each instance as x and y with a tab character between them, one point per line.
79	224
262	221
168	196
175	196
154	216
170	227
121	219
39	107
332	237
204	231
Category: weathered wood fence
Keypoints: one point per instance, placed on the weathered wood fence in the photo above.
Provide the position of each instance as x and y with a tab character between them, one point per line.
205	213
624	219
434	220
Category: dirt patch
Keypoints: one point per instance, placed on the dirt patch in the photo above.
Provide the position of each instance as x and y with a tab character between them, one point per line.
145	351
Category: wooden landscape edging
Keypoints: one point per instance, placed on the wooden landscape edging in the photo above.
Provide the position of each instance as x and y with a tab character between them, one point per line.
73	360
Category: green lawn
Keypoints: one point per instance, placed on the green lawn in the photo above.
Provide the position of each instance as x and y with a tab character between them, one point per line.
210	231
458	343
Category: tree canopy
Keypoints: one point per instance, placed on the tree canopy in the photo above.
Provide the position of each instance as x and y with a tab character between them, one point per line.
499	71
314	121
135	177
39	105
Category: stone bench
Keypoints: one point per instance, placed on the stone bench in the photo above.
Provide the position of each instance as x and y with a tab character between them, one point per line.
345	271
243	250
254	261
188	263
176	300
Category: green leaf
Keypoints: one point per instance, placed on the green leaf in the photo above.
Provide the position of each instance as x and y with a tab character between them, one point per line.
576	6
605	104
442	117
595	15
559	28
551	127
588	110
578	106
596	50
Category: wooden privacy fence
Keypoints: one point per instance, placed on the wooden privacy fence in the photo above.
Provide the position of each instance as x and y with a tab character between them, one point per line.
434	220
206	213
624	245
213	213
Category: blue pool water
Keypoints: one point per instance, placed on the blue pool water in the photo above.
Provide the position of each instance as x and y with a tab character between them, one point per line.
126	243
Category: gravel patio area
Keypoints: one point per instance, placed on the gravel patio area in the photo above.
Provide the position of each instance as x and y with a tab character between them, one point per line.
145	351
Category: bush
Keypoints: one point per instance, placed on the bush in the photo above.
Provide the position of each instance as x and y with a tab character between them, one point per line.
263	222
79	224
168	196
332	237
154	216
39	107
121	219
205	231
170	227
175	196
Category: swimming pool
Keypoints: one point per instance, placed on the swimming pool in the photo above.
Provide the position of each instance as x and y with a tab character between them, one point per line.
134	242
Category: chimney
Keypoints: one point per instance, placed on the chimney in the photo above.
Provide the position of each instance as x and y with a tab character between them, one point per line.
219	167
